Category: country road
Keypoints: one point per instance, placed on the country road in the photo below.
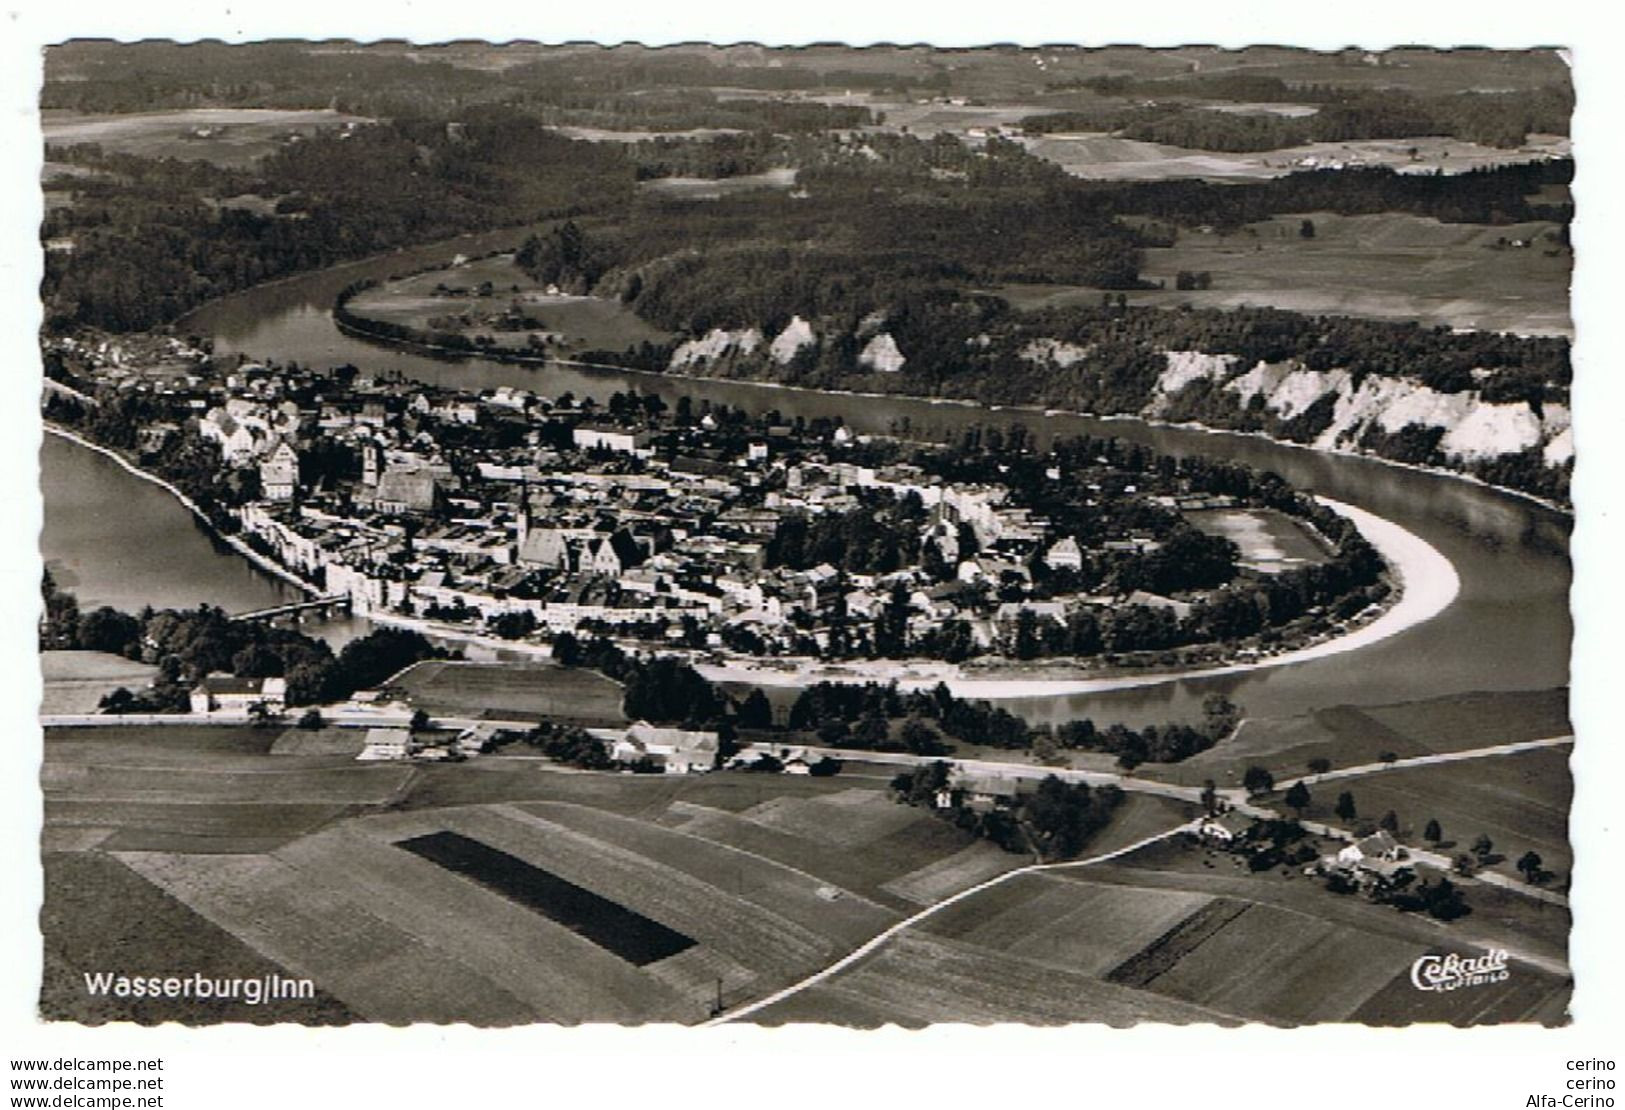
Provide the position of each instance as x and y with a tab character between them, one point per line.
1434	758
880	939
1234	797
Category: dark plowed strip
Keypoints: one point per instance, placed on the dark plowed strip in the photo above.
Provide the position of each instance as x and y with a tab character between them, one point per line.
1177	943
610	925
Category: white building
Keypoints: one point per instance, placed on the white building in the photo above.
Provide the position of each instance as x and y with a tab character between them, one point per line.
224	693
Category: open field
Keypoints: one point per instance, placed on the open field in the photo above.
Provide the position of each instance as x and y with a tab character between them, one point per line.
197	789
770	877
918	979
1270	541
1499	918
151	933
622	932
1388	266
1091	929
401	938
320	888
1477	720
522	691
1351	736
573	324
713	188
1391	266
76	681
607	135
1107	157
225	136
1219	945
1520	801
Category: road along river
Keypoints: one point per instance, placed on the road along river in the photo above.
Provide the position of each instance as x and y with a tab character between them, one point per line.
1506	628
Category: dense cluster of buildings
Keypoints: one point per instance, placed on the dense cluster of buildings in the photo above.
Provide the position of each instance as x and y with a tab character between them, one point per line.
513	513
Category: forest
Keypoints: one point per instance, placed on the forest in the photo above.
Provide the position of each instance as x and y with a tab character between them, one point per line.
1178	117
148	246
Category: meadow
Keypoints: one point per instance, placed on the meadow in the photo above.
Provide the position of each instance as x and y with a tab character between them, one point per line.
1391	266
76	681
1105	157
231	137
1270	541
1520	801
514	691
572	324
301	862
1168	934
1352	736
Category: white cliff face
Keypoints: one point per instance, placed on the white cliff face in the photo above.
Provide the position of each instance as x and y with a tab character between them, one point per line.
1474	429
1559	449
881	354
713	345
1487	431
1185	367
1556	421
1302	388
1356	408
1421	405
796	335
1262	379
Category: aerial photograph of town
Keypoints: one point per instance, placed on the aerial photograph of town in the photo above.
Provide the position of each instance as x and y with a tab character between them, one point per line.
730	535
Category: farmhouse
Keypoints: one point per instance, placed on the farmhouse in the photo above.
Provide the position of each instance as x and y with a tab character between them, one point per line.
224	693
678	751
386	743
1227	828
1377	846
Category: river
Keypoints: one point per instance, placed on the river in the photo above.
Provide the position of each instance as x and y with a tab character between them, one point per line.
1508	629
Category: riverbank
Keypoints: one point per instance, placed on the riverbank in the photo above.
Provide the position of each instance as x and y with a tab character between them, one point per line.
1106	418
1426	584
355	326
236	543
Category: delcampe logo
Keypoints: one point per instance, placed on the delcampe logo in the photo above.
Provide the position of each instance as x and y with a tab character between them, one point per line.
1452	971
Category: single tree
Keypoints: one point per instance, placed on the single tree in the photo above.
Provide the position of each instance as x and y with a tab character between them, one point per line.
1306	230
1210	797
566	649
755	712
1258	780
312	720
1529	866
1298	797
419	721
1433	833
1389	822
1319	765
1345	806
1388	757
1483	846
